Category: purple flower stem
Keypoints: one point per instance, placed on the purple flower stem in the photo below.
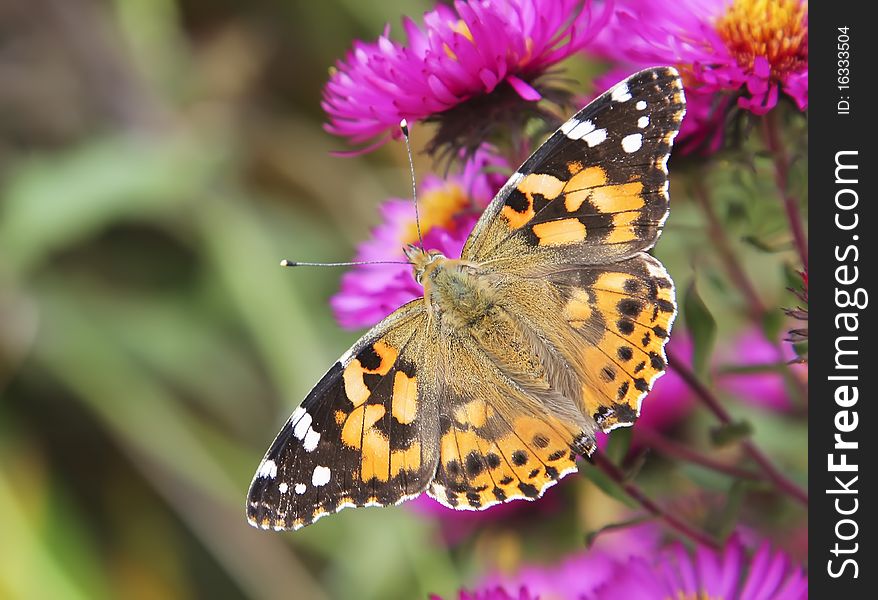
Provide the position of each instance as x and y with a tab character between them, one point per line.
736	272
714	405
781	176
671	448
616	474
756	309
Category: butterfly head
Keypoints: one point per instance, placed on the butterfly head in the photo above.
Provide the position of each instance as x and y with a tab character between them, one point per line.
421	259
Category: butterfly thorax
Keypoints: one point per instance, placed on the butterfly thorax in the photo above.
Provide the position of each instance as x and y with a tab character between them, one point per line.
456	292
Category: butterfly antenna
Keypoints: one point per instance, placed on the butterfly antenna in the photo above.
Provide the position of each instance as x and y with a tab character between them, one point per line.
295	263
404	127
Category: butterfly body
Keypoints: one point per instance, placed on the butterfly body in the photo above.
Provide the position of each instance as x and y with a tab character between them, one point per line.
550	327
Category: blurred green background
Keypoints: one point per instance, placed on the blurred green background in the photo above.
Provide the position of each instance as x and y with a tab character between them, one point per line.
157	159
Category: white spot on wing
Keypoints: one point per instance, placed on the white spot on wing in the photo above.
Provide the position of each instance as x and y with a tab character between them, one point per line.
297	414
302	426
568	126
641	105
620	93
300	488
643	121
320	476
310	441
595	137
632	143
268	469
581	130
283	487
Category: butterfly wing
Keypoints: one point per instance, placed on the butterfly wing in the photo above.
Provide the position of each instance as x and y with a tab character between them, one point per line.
365	435
596	191
500	438
609	325
573	223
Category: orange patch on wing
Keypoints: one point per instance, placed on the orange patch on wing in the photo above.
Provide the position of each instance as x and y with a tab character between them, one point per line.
517	219
578	310
612	280
456	444
404	405
548	186
545	436
475	413
360	421
623	227
588	178
376	456
574	166
354	386
573	200
618	198
557	233
387	354
408	459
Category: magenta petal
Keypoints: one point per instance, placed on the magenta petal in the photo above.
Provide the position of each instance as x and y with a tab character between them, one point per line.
523	89
761	67
444	64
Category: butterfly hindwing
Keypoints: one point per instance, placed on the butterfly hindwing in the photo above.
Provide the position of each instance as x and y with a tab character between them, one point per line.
489	456
597	190
621	315
365	435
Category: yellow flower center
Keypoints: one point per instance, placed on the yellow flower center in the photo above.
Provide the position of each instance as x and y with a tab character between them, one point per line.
436	208
775	29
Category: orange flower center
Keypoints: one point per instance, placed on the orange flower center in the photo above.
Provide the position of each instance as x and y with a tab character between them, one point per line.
436	208
774	29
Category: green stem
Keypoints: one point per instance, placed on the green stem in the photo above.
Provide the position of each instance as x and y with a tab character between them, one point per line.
615	473
714	405
781	175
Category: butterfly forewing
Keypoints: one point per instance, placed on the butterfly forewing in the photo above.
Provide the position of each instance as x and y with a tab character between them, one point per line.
597	190
365	435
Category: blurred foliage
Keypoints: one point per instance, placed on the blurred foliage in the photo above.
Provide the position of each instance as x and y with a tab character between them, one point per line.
157	159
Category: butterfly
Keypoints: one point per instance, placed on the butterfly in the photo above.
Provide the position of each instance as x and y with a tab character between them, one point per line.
549	328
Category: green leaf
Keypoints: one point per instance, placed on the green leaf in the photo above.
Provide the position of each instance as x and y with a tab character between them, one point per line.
591	536
53	201
726	434
702	328
773	322
619	441
608	486
723	523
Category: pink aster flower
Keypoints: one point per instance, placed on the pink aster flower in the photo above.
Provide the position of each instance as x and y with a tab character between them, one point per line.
729	574
582	572
470	51
763	389
449	208
575	575
754	49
